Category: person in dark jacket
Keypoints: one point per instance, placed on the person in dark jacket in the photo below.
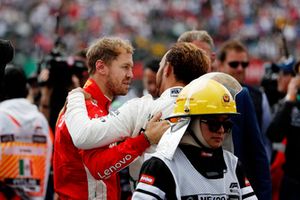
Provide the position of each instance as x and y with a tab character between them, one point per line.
286	124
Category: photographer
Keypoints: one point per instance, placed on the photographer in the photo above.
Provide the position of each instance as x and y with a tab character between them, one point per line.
286	124
59	74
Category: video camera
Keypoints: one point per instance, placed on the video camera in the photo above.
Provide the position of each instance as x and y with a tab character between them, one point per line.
61	69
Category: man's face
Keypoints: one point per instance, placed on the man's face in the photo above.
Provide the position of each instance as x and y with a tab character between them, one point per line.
283	80
149	81
235	64
159	76
120	74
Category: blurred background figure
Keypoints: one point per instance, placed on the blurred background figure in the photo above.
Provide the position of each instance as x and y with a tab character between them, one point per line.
26	143
7	54
234	60
285	129
203	40
246	132
149	77
59	74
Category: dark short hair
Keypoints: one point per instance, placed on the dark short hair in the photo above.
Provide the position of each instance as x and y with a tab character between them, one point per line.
6	55
188	61
235	45
6	51
14	83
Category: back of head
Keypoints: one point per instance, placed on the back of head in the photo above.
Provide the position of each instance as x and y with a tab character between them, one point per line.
188	61
106	49
196	35
6	55
229	45
152	64
14	83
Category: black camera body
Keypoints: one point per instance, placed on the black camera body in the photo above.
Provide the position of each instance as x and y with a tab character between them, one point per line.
61	69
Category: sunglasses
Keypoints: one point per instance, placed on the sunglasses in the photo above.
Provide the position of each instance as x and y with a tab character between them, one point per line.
214	125
235	64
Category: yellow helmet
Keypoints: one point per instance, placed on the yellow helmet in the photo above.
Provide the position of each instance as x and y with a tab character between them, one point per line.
213	93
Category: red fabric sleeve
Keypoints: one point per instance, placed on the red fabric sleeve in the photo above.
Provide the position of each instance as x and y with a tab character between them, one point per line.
104	162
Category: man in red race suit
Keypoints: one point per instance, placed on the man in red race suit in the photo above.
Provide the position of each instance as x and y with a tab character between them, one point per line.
110	67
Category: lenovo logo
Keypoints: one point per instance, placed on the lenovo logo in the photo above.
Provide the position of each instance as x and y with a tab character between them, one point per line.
116	167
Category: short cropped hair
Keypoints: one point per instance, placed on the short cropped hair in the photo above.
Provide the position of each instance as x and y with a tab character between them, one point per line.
106	49
188	61
235	45
14	83
200	35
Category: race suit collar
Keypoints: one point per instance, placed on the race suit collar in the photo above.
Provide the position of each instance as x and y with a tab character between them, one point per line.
173	91
91	87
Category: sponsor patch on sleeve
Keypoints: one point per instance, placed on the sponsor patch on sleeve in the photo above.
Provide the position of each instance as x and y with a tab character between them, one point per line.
147	179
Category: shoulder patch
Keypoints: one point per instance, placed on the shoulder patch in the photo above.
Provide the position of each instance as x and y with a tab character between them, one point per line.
174	92
147	179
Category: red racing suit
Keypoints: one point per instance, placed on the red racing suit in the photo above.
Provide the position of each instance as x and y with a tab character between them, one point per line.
91	174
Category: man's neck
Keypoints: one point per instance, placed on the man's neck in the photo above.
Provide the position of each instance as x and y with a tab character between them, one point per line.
173	84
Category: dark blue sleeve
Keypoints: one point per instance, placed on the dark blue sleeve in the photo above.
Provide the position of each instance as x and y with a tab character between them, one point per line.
249	146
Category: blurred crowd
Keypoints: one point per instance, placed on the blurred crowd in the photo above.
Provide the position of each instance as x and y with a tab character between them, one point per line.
50	40
152	25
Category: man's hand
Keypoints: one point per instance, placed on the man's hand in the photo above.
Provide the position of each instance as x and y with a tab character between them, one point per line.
79	89
293	87
156	128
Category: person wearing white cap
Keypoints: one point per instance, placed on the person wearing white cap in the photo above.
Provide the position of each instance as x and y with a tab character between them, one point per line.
190	162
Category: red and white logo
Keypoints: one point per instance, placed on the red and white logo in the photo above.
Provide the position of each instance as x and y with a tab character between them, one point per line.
147	179
247	183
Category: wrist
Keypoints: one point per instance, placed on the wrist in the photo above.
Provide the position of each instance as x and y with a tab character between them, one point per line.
290	97
145	136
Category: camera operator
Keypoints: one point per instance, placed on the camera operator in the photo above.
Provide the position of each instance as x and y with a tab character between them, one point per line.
58	75
286	124
7	54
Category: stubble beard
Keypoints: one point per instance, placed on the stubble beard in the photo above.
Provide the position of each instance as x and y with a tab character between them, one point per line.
116	89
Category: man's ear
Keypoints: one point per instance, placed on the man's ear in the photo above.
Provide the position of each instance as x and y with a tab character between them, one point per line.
100	67
168	69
